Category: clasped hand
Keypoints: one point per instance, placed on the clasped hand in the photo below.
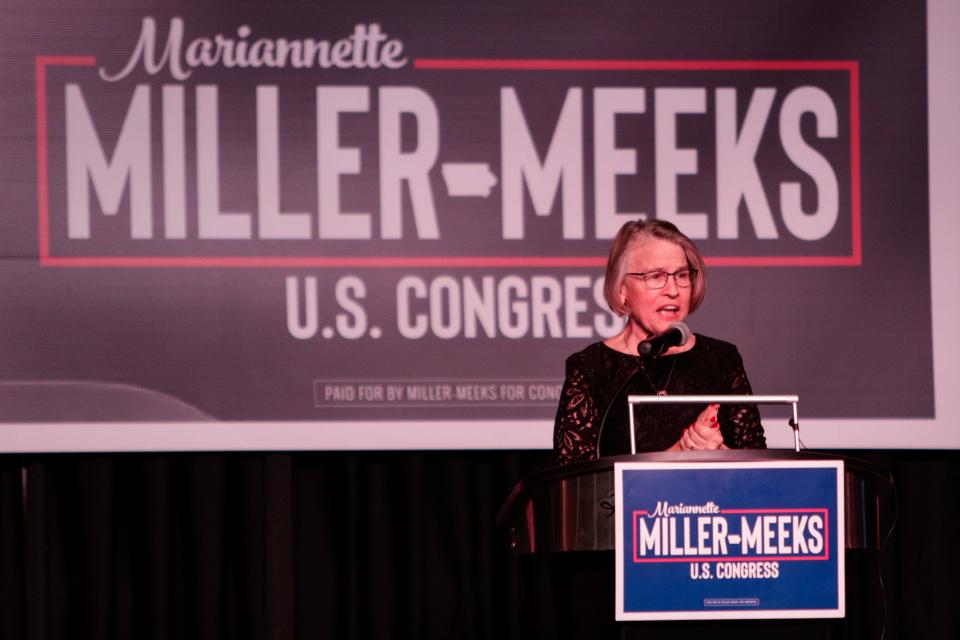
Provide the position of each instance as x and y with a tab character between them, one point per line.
704	433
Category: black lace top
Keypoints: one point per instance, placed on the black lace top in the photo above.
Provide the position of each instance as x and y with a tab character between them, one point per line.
599	379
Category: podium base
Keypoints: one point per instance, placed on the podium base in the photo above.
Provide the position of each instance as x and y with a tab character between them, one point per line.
569	596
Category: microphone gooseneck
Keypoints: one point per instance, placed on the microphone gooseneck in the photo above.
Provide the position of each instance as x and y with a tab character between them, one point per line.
616	394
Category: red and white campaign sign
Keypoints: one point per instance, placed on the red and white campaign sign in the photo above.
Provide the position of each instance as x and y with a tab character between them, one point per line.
326	227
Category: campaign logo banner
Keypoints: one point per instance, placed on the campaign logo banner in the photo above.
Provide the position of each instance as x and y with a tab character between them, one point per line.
350	220
729	540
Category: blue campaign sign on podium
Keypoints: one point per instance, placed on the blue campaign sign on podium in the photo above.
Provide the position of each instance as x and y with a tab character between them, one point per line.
729	540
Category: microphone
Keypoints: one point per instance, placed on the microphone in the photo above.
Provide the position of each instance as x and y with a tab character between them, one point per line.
675	335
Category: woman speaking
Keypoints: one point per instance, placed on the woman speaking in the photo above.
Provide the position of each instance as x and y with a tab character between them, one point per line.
655	276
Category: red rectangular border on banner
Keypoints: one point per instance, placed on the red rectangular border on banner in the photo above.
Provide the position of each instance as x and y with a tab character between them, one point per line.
855	258
824	556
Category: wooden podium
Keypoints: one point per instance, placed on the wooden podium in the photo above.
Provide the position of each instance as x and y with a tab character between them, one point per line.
571	508
565	516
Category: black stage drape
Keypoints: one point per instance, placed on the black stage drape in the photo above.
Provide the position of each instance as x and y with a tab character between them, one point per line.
349	545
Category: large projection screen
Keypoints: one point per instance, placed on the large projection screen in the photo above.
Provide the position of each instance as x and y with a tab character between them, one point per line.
307	226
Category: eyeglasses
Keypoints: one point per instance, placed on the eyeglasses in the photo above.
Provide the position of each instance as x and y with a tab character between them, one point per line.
658	279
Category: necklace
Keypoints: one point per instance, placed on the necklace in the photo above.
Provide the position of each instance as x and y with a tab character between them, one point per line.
660	391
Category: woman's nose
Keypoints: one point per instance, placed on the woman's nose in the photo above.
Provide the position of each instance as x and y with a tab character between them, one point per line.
671	288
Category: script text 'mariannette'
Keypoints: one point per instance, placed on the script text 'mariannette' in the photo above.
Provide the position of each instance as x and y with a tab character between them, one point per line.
366	48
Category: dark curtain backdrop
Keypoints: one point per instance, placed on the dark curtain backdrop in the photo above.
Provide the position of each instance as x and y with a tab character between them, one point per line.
341	545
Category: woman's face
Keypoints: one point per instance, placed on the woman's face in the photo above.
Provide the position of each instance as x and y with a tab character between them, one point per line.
653	310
